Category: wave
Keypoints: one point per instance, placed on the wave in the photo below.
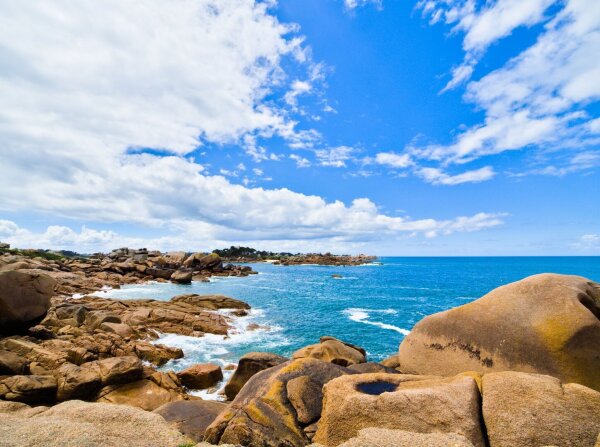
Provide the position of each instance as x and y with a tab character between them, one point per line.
362	316
224	350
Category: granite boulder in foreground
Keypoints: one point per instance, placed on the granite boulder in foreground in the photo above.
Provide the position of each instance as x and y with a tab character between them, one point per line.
82	424
547	324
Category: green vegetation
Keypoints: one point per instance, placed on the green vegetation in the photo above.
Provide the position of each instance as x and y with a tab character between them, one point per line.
249	253
30	253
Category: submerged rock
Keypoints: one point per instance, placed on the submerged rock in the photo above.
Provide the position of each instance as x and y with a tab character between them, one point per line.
549	324
403	402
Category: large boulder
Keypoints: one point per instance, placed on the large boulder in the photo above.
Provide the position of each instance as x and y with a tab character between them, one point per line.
250	364
24	297
201	261
182	276
332	350
402	402
201	376
265	412
29	389
11	364
531	410
83	424
210	302
383	437
548	324
191	417
144	394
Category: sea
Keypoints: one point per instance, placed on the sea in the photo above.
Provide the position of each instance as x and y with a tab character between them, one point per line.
373	305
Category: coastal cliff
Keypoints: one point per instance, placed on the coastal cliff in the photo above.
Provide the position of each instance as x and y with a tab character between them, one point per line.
476	375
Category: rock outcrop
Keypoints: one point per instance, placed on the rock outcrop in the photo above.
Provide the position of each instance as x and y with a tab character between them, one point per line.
265	411
334	351
531	410
191	417
382	437
82	424
250	364
200	376
402	402
24	297
548	324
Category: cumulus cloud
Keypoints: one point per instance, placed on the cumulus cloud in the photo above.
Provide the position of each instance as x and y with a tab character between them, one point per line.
353	4
588	242
393	159
301	162
91	93
438	177
539	99
335	157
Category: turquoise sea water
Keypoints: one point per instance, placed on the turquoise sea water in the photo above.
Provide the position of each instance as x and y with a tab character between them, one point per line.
373	306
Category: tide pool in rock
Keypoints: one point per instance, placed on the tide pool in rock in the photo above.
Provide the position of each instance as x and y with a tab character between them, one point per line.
373	306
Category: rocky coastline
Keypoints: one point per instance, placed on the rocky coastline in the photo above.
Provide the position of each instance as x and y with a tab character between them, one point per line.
250	255
517	367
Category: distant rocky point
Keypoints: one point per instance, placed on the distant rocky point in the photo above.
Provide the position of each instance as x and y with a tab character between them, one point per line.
247	254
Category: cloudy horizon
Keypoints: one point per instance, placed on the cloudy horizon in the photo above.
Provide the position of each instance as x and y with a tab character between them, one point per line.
441	127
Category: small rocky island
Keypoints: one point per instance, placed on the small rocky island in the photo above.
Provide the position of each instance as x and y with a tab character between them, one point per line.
517	367
248	254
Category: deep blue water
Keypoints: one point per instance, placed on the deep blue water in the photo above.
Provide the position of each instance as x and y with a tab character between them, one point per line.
373	306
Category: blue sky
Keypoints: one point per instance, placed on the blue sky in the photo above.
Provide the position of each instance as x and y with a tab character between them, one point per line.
442	127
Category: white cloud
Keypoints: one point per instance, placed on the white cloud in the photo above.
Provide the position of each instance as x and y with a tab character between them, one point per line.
438	177
538	99
588	243
353	4
393	160
335	157
85	87
581	162
301	162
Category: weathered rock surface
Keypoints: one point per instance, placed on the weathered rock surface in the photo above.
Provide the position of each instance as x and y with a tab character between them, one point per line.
210	302
29	389
201	376
548	324
24	297
144	394
250	364
263	414
83	424
382	437
334	351
11	363
182	276
402	402
531	410
191	417
372	367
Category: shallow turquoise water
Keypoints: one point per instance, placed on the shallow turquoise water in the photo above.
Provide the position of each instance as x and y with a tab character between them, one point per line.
373	306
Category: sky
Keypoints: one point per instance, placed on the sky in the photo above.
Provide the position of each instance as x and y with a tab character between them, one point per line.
387	127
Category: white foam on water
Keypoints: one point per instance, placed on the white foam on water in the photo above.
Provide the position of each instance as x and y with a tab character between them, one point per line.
362	316
218	349
345	277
